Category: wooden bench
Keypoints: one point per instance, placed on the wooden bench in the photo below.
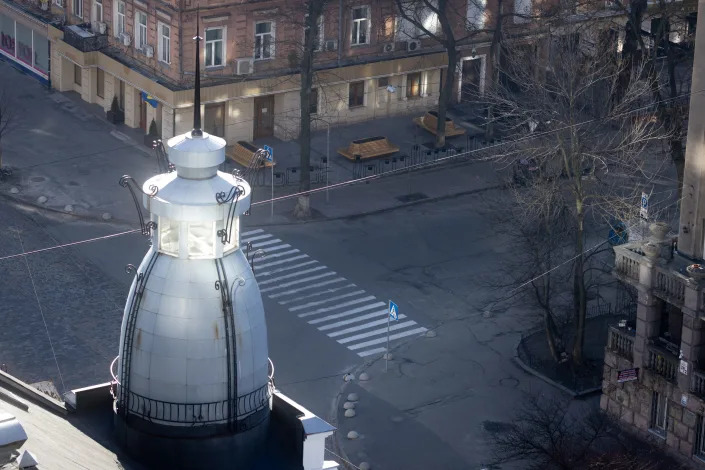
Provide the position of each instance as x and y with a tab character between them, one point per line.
242	153
429	121
369	147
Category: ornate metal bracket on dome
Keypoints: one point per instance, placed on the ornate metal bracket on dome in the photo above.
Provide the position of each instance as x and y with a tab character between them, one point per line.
255	165
127	181
131	320
165	166
231	197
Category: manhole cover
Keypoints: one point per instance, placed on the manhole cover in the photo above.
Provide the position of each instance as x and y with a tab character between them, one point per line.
412	197
37	179
496	427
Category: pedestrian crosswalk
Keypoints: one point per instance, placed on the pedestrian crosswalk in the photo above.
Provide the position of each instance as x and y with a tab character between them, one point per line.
324	299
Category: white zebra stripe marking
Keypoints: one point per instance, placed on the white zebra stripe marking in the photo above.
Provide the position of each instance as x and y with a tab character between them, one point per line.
355	320
244	241
316	294
286	268
311	288
270	249
292	275
337	307
372	351
275	263
364	326
251	232
299	281
403	334
347	313
266	242
329	299
300	289
380	331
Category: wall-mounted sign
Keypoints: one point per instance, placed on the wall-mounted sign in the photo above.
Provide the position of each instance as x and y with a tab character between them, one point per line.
627	375
683	367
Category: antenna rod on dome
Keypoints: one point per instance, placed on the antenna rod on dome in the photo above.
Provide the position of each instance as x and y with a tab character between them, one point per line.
197	131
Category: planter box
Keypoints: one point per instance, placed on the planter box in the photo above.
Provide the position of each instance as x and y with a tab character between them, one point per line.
116	118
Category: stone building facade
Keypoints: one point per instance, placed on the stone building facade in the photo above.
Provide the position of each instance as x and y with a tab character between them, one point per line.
654	371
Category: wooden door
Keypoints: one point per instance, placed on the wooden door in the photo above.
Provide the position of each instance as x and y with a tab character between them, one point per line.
214	119
264	116
143	114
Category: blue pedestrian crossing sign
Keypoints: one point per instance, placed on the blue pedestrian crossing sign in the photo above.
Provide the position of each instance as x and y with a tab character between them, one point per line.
393	311
270	153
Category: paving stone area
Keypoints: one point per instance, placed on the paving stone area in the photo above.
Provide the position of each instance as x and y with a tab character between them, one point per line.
82	308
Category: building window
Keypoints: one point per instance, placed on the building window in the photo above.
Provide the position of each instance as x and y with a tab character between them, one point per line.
77	74
522	9
659	414
413	85
360	25
476	14
98	10
78	8
318	38
164	45
119	18
140	30
383	82
313	103
169	236
700	438
100	83
356	95
201	240
422	15
264	40
214	47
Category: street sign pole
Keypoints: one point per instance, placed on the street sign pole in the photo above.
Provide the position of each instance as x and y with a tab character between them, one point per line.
392	314
271	203
386	356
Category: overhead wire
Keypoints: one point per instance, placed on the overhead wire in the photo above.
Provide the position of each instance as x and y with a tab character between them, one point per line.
387	174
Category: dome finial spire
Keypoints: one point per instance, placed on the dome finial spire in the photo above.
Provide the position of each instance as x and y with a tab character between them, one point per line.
197	131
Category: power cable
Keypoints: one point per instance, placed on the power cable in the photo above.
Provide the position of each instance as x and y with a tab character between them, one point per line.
41	312
393	172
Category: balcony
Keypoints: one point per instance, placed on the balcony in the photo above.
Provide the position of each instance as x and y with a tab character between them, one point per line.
670	286
621	341
82	38
662	362
697	383
626	263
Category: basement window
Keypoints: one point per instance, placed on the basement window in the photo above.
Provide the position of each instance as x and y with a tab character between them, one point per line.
700	438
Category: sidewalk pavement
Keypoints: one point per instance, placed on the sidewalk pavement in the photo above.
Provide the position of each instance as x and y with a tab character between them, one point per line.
66	157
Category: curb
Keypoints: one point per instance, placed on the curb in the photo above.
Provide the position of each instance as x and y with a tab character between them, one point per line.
561	387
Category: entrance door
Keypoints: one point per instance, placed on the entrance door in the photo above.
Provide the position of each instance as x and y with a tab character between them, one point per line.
264	116
472	72
214	119
121	98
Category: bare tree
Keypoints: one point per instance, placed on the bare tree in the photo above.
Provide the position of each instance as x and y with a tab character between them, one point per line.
669	80
553	433
314	10
449	23
578	125
7	117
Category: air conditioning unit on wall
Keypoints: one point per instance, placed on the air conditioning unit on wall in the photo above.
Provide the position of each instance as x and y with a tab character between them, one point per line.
244	66
413	45
388	47
125	38
149	51
102	27
331	45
